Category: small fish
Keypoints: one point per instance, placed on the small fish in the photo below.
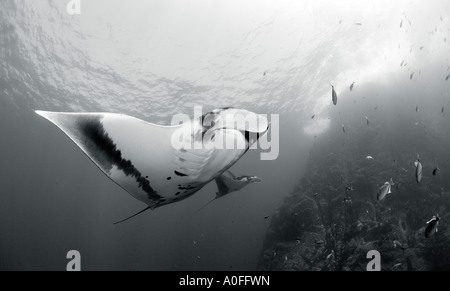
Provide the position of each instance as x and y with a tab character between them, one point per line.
401	64
448	77
442	110
358	23
405	170
340	21
265	73
367	120
432	226
285	258
385	190
333	95
421	48
315	194
435	171
297	242
417	108
399	244
330	256
418	172
401	24
312	117
442	19
347	199
343	128
369	158
416	124
349	188
351	86
397	265
319	242
411	76
376	108
194	242
267	217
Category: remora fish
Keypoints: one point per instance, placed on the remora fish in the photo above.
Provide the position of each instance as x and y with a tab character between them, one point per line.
229	183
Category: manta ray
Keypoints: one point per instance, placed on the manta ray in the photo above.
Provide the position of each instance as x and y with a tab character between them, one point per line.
159	165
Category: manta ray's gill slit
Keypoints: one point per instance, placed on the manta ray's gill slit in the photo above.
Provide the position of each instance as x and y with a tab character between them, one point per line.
102	147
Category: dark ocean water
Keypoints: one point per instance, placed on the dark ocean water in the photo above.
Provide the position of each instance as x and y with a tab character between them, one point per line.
161	58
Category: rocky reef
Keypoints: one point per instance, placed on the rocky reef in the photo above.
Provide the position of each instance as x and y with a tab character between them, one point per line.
332	218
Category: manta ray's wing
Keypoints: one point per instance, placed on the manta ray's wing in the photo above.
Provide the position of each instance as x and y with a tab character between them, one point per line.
133	153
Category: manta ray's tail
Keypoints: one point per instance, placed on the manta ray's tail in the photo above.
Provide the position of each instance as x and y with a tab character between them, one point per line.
204	206
133	215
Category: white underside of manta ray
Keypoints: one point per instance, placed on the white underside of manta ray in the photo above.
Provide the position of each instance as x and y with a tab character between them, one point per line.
140	156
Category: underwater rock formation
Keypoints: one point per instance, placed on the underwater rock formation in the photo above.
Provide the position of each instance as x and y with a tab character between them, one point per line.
325	225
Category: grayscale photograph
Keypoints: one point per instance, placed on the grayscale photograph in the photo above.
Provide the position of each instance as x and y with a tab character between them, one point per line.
224	135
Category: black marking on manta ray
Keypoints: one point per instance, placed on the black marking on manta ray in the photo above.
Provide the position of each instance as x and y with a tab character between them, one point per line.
99	141
189	187
180	174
